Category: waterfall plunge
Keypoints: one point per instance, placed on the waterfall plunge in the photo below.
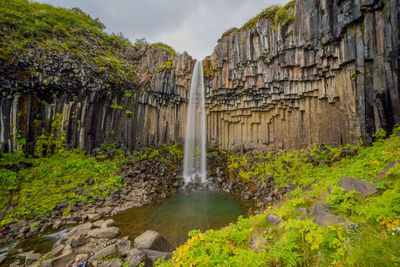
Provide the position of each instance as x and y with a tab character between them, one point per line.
194	163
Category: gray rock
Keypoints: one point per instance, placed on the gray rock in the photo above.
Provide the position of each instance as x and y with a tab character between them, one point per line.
137	257
110	263
57	224
57	250
103	253
155	255
98	224
323	217
303	211
31	258
273	219
123	247
63	260
107	233
258	243
385	170
153	241
77	241
108	223
15	264
365	189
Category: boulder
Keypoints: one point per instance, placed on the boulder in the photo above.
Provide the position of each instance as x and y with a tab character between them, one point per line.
258	243
273	219
155	255
123	247
365	189
110	263
385	170
57	250
57	224
137	257
107	233
103	253
31	258
98	223
153	241
63	260
107	223
322	216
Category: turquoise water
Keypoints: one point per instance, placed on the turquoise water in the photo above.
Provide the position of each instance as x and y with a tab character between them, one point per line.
173	218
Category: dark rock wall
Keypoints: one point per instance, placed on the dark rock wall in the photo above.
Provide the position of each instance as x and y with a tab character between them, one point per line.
332	78
95	108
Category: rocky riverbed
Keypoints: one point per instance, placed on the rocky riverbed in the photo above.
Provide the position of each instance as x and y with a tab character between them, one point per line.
101	244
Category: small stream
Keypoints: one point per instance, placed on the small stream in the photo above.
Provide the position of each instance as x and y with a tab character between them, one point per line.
173	218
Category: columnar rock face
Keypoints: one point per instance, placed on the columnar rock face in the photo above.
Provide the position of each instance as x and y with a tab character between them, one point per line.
95	109
331	78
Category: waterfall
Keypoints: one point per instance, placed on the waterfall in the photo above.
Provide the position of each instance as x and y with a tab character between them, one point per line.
194	163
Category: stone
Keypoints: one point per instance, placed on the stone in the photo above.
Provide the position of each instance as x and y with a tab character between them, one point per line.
303	211
155	255
107	233
108	223
365	189
153	241
382	174
273	219
63	260
123	247
57	250
322	217
103	253
2	258
93	216
110	263
31	258
98	224
258	243
78	241
137	257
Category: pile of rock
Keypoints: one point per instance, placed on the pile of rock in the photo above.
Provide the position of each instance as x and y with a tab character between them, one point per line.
100	243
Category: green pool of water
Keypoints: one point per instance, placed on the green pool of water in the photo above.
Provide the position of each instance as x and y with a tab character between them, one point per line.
173	218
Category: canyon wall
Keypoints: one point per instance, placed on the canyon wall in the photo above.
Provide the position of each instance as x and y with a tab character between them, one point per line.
331	77
95	109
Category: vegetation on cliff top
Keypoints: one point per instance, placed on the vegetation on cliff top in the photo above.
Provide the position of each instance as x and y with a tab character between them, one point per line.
371	237
159	45
277	14
29	25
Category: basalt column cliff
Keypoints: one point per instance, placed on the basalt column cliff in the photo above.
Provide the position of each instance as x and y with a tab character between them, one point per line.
330	77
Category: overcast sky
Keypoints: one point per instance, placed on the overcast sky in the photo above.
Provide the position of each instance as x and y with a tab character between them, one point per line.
186	25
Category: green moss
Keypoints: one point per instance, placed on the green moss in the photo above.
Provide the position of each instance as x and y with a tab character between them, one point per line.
229	31
110	257
165	47
34	25
277	14
167	66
